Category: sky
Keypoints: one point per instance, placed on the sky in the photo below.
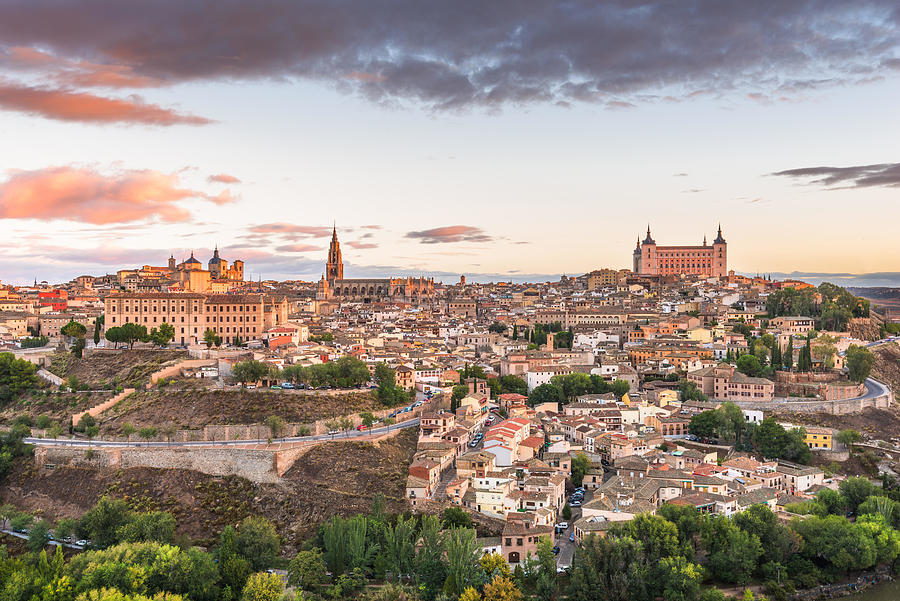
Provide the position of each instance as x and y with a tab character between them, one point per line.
514	140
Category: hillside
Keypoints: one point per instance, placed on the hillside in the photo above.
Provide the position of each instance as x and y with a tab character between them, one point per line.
197	408
333	478
887	365
105	369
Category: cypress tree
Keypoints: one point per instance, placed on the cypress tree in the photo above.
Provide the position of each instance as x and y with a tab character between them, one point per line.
515	332
776	355
789	355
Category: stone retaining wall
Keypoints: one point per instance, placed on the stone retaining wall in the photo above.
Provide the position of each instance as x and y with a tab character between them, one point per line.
98	409
262	465
175	370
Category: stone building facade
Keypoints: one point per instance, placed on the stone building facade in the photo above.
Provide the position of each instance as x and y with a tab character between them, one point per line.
650	258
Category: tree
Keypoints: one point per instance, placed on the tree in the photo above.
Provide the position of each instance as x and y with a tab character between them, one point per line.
497	328
65	528
848	438
704	424
461	552
249	371
733	553
73	329
515	333
307	570
620	387
263	587
855	491
546	393
127	430
211	338
859	361
677	579
789	355
98	323
779	543
455	517
101	523
513	385
367	418
501	588
608	569
658	536
749	365
132	332
258	541
38	536
567	510
458	393
162	335
689	391
581	465
153	526
147	432
16	375
276	425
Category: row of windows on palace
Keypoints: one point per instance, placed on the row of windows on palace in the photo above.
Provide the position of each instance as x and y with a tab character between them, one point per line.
226	319
171	308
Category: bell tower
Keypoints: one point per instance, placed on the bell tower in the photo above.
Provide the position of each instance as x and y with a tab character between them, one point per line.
334	268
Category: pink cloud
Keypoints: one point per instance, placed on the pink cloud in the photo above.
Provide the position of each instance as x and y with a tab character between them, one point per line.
450	233
361	245
84	195
311	231
298	248
66	105
223	178
75	73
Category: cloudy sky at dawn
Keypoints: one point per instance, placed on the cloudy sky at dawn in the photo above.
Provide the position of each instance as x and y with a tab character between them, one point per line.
506	139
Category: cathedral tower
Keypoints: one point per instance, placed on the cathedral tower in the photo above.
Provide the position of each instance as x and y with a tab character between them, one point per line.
334	268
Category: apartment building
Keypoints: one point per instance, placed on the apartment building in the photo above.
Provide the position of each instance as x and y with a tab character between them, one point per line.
230	316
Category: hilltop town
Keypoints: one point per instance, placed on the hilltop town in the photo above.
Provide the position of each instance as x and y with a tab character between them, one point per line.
539	414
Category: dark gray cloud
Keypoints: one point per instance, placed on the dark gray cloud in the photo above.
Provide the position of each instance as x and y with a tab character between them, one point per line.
450	233
884	175
456	55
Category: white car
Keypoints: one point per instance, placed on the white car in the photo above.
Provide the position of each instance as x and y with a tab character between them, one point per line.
563	525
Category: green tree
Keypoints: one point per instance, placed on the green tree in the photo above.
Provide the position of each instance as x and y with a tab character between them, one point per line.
461	553
263	587
848	438
581	465
455	517
690	392
162	335
211	338
704	424
749	365
16	375
38	536
855	491
258	541
101	523
458	393
153	526
733	553
147	432
546	393
98	324
307	570
789	355
276	426
132	332
859	361
250	371
677	579
608	569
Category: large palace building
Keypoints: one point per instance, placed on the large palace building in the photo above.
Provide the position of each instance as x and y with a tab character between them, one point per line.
334	286
705	260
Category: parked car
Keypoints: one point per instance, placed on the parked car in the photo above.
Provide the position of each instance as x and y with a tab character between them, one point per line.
572	537
362	427
274	387
575	504
251	386
287	385
556	550
563	526
82	543
333	432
